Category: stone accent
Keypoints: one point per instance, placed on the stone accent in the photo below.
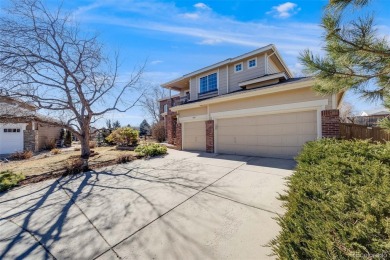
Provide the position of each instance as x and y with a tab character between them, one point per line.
179	136
330	123
31	140
210	136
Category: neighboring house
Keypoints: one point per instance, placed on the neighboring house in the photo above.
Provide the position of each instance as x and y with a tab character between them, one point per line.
19	130
248	105
371	118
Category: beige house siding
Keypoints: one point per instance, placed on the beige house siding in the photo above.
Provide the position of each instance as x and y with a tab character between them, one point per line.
280	98
222	81
193	112
193	89
286	97
272	68
46	134
228	79
246	73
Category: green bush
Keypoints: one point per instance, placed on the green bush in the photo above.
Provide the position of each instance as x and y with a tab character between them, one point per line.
151	149
124	136
8	179
338	203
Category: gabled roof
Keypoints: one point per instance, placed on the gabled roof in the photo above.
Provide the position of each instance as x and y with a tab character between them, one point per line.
17	103
233	60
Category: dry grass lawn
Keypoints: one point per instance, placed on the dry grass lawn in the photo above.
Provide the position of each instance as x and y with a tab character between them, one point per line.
47	162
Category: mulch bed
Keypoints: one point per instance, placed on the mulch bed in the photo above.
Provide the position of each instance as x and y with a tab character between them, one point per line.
63	172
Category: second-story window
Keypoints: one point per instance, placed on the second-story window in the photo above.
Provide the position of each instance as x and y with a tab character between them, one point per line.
252	63
165	108
208	83
238	67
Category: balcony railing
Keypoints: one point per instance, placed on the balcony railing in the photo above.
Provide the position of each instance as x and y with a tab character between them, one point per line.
207	94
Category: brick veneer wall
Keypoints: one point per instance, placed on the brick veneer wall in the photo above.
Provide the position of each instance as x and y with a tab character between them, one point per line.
31	140
210	136
179	136
170	118
330	123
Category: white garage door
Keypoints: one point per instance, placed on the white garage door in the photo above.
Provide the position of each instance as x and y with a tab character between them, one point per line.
11	138
194	136
277	135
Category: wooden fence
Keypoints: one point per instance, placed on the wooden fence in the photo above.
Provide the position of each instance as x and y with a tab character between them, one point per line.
353	131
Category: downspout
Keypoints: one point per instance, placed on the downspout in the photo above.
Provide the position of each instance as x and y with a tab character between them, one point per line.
227	79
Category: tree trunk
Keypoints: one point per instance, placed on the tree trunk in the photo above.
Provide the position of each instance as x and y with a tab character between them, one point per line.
85	150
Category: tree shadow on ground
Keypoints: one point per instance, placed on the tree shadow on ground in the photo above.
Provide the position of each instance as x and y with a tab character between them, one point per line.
95	211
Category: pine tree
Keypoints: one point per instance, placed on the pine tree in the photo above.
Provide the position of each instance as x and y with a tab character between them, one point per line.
144	128
116	124
356	57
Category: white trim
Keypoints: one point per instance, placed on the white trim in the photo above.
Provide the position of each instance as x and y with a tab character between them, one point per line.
319	123
285	108
242	67
334	101
218	81
193	118
247	63
182	136
262	79
266	63
246	94
227	78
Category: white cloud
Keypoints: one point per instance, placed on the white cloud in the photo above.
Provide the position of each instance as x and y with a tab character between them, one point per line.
155	62
202	6
210	41
284	10
193	16
207	27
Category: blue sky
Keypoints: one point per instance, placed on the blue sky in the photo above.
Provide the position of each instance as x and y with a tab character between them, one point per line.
178	37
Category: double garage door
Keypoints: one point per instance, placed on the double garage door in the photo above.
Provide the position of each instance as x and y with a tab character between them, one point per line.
276	135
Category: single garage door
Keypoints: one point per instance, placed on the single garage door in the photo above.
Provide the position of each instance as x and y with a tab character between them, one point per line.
11	138
277	135
194	136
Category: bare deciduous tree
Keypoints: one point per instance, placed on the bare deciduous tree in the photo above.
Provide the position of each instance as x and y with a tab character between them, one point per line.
46	59
150	101
347	113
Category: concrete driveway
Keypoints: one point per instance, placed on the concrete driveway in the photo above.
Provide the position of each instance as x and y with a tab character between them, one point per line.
183	206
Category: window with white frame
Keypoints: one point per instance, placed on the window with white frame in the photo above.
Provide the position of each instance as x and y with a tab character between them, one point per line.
252	63
238	67
208	83
165	108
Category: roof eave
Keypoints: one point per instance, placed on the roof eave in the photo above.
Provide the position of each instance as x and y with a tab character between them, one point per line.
255	92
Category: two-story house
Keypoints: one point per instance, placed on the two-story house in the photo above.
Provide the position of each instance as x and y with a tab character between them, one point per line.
248	105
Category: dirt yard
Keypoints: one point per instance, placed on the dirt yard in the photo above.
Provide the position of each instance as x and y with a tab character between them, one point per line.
46	162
